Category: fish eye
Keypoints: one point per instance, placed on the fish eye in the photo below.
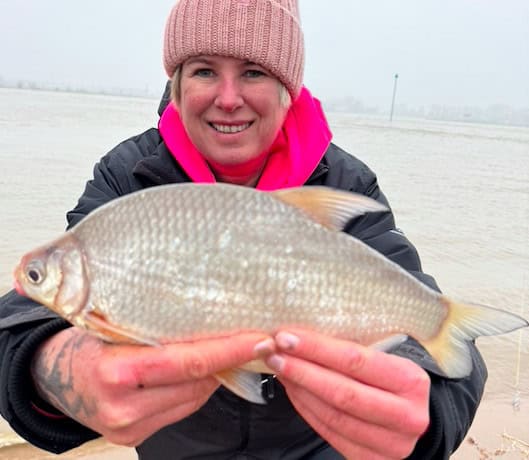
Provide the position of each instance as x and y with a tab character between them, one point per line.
35	272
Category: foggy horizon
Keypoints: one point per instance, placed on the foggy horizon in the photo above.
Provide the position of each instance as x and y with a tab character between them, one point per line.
458	53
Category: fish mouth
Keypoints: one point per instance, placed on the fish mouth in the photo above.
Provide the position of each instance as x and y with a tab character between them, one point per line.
232	128
17	285
18	288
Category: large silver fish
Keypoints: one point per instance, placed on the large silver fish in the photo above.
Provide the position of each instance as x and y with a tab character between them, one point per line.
187	261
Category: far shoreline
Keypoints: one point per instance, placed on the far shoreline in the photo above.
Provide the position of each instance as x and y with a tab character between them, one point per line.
347	105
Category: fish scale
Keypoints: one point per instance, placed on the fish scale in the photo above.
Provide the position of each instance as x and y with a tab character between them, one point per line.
262	250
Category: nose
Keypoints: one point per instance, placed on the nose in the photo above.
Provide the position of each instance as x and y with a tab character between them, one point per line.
229	96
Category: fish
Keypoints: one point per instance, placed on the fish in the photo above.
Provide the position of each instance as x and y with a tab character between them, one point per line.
182	262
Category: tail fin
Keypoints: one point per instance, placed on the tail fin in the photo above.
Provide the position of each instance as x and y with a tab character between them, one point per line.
464	323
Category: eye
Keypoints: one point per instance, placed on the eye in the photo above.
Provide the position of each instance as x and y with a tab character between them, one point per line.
203	72
254	73
35	272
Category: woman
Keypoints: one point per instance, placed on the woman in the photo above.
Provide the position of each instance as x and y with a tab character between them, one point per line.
238	114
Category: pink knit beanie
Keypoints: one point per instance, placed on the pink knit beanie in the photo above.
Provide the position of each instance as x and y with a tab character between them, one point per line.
266	32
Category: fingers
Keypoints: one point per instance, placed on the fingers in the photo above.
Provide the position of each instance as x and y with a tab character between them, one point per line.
126	392
133	434
365	403
143	389
374	368
346	394
143	367
123	408
353	437
136	417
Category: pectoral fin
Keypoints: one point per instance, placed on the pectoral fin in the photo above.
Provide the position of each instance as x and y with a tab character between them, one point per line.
96	322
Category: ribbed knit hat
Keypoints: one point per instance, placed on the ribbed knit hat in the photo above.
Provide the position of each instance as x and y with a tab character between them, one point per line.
266	32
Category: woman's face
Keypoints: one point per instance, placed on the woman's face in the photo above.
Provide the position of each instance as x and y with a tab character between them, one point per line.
232	113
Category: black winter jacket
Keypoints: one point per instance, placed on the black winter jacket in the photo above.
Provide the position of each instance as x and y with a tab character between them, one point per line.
227	427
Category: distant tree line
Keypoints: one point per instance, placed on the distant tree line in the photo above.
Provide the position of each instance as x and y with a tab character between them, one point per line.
494	114
69	88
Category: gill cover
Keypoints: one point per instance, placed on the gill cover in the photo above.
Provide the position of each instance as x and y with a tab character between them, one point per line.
55	276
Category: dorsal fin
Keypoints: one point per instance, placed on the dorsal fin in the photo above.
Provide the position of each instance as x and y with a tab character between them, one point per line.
330	207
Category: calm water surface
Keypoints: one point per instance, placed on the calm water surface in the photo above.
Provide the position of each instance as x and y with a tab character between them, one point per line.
460	192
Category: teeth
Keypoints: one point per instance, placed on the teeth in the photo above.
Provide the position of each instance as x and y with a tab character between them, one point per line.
229	129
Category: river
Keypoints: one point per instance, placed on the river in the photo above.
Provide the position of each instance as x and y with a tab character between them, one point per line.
460	192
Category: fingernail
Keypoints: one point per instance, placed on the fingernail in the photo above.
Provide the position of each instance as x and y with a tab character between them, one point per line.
264	348
275	362
287	341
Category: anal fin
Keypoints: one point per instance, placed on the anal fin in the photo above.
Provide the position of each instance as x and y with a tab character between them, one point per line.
245	384
389	343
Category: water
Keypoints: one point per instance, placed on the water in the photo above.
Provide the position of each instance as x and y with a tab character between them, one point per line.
460	192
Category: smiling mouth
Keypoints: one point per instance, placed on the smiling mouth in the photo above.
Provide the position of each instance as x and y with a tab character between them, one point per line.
229	129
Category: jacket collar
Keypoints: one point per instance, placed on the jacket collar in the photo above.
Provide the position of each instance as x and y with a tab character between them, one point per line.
166	98
161	168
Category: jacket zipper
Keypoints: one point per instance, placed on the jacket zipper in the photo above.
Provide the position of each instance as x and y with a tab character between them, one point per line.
245	409
268	384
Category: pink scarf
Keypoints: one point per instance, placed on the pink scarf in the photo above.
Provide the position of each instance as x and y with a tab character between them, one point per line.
293	156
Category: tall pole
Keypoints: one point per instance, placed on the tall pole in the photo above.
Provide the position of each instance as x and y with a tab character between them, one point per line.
394	95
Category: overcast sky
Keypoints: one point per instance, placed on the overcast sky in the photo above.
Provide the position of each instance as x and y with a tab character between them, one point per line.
453	52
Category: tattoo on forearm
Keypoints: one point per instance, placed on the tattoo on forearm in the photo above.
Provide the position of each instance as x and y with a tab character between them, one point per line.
54	379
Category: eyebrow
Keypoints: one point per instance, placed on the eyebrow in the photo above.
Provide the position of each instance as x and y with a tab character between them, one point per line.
199	60
207	61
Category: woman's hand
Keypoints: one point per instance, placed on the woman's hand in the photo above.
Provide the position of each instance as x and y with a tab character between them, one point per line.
125	392
365	403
